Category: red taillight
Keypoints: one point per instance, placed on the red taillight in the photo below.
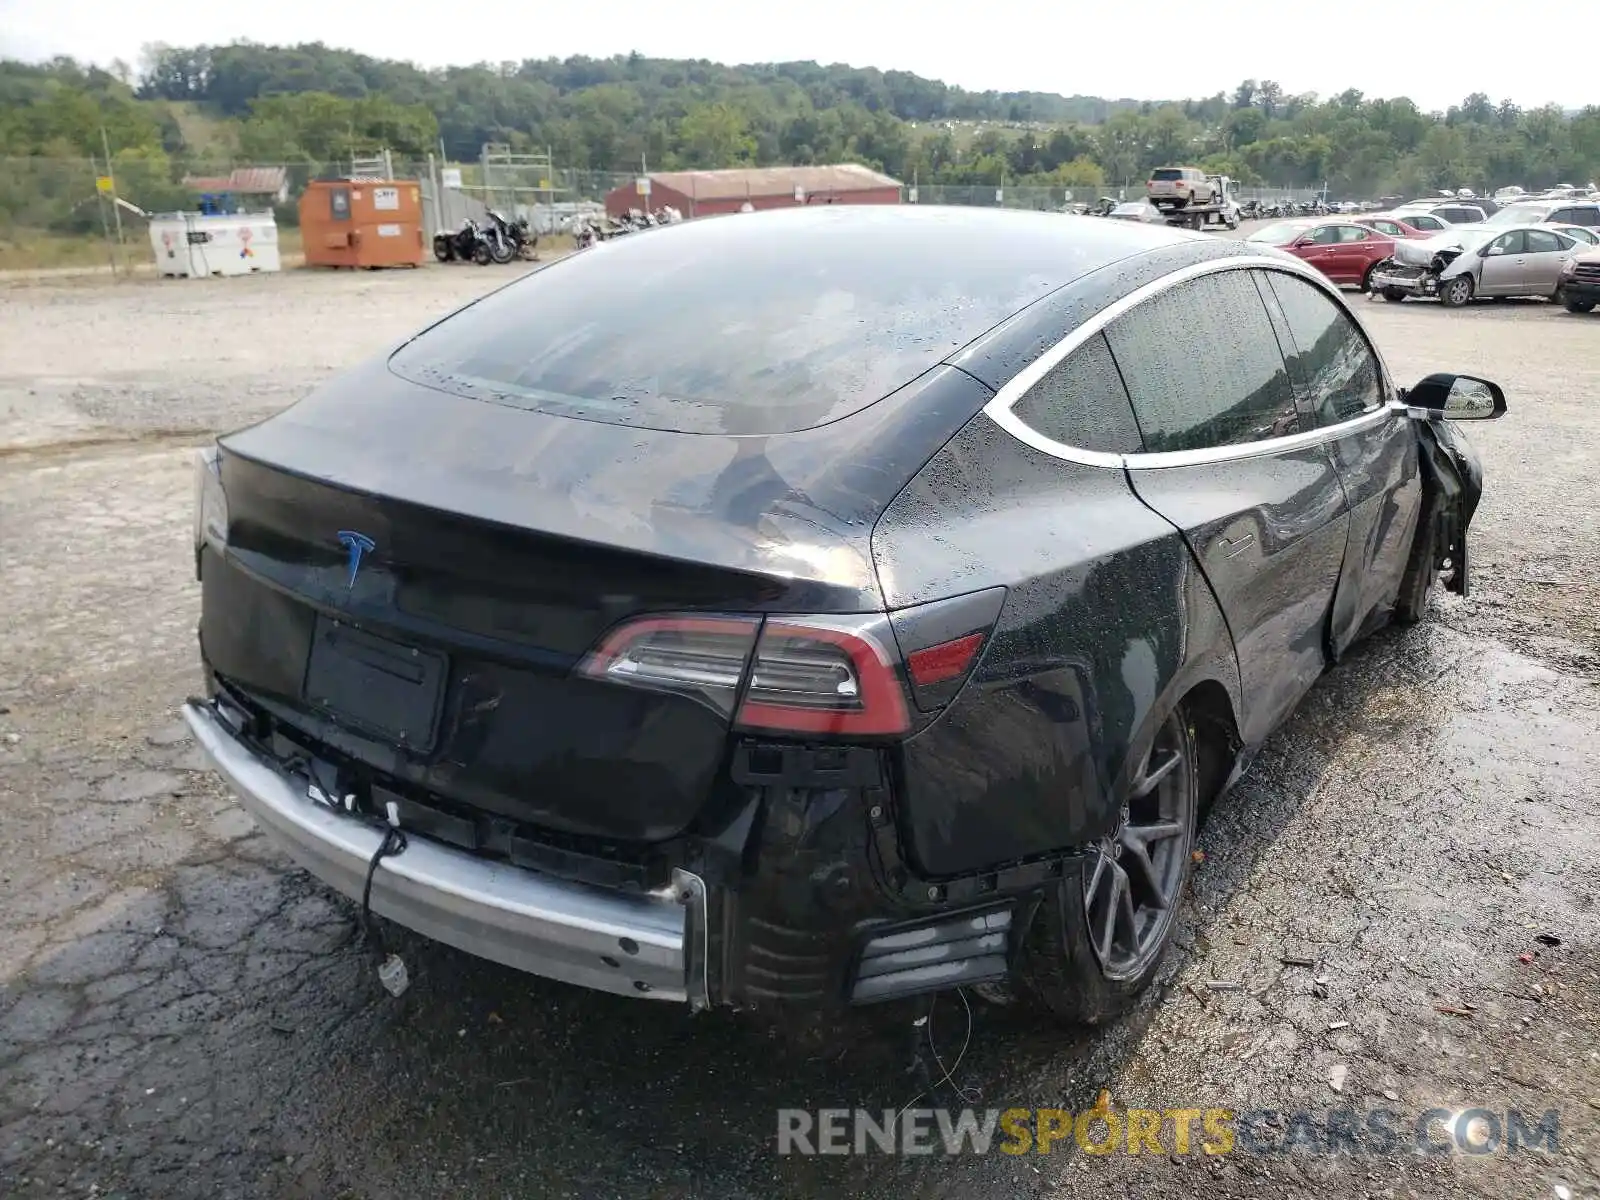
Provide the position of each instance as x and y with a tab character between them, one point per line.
1180	185
699	656
823	676
815	675
939	663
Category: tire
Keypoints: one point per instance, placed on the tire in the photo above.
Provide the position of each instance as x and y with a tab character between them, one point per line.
1579	306
1411	605
1062	969
1366	280
481	254
441	249
1393	295
502	251
1457	292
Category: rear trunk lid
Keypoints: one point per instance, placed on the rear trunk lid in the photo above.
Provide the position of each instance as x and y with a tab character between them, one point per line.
412	578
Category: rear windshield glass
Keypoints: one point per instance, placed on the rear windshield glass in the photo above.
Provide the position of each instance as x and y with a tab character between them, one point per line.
1167	174
769	323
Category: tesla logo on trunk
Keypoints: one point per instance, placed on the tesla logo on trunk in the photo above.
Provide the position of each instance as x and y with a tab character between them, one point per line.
356	544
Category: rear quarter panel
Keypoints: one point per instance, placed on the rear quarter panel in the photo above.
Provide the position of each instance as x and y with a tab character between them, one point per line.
1106	621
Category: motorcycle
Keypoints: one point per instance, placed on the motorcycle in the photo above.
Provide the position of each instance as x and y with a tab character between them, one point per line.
493	245
516	239
460	245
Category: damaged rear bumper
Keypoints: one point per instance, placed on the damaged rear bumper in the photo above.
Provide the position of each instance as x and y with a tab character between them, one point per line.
634	944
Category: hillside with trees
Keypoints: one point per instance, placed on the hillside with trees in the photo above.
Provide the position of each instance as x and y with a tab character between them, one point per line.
312	105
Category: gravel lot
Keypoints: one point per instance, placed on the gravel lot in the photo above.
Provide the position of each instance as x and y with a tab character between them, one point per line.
181	1014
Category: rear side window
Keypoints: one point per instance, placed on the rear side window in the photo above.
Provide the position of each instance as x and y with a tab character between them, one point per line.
1202	365
1083	403
1542	241
1330	361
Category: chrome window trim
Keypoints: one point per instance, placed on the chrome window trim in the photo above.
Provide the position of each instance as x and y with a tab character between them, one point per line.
1279	445
999	408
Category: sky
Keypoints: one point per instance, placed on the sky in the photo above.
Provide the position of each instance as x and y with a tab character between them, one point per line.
1145	49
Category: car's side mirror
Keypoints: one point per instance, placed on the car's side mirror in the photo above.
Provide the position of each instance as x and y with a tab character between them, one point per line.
1457	398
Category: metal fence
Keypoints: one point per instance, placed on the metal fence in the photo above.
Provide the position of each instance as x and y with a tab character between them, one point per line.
76	197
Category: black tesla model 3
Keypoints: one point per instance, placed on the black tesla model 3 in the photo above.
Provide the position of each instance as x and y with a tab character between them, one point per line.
816	607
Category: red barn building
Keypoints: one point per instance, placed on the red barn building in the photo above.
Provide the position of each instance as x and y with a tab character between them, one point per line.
705	193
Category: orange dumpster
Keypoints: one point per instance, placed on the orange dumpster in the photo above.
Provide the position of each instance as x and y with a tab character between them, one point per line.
362	223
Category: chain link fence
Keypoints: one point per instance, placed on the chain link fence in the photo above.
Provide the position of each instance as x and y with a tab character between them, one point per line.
76	199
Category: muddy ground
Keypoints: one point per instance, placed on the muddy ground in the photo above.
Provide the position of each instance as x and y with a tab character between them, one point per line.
182	1014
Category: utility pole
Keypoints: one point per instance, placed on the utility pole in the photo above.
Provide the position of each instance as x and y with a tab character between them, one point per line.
116	210
105	224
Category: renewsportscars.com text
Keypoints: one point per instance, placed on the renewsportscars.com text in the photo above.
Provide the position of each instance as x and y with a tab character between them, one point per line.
1208	1131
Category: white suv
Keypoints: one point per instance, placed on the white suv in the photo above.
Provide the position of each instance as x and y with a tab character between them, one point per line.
1179	187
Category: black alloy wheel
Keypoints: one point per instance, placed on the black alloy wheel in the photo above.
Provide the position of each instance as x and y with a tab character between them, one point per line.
1132	888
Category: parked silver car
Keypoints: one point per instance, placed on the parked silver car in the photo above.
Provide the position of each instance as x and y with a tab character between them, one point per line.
1474	261
1138	210
1548	212
1580	233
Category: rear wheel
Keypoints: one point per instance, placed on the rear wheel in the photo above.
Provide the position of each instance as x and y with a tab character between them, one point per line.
1099	939
1457	292
481	254
441	249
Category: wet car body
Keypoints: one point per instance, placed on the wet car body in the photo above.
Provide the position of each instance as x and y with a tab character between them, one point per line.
1477	261
802	609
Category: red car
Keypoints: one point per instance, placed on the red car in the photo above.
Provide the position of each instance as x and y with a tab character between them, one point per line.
1400	227
1341	249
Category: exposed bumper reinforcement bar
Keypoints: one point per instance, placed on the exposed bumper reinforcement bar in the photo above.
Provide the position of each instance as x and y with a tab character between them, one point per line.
643	945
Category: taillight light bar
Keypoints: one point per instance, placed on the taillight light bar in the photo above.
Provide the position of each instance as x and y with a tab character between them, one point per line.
812	675
824	676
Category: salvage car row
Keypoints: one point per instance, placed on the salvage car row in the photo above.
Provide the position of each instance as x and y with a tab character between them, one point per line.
1520	251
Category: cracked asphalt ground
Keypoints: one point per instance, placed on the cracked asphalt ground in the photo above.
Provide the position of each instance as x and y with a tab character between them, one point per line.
184	1014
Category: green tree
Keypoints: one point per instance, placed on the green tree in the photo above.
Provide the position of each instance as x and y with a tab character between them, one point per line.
715	135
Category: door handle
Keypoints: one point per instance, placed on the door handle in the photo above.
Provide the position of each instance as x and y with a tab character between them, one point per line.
1233	547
